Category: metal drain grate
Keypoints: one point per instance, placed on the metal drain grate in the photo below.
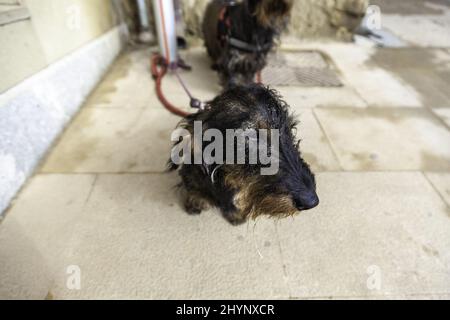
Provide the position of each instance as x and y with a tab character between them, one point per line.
300	68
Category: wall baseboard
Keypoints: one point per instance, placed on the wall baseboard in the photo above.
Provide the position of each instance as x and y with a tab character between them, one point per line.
34	113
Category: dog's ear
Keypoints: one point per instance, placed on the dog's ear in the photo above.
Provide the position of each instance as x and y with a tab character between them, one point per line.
281	7
269	12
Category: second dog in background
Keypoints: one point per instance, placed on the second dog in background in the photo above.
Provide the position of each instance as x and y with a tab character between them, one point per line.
238	37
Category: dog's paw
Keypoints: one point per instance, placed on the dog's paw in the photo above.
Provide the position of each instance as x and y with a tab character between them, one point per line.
193	210
235	219
237	222
194	205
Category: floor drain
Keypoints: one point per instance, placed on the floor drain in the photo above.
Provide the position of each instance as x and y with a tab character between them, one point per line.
300	68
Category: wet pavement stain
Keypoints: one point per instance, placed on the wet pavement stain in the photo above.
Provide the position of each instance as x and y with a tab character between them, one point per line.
409	134
435	162
107	140
424	69
410	7
69	161
108	86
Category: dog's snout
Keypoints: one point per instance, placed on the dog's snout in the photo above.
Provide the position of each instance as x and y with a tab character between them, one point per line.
307	202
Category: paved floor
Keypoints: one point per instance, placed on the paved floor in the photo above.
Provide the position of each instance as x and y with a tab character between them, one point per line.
102	207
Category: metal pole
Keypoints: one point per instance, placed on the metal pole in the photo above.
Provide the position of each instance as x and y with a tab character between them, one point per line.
165	24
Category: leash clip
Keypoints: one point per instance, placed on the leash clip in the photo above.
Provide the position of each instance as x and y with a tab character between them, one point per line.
197	104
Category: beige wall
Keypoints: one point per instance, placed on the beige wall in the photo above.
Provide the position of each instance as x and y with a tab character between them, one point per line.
21	53
56	28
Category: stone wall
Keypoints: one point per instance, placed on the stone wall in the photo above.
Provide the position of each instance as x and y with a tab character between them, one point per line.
310	18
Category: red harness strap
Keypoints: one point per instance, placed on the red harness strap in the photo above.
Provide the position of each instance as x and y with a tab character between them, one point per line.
223	33
224	25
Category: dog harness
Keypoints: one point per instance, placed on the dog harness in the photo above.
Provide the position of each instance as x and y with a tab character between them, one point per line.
226	38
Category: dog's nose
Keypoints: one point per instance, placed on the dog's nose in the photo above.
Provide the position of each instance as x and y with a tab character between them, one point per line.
307	202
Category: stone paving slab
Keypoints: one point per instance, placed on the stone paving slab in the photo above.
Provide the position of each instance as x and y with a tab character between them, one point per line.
377	87
411	7
35	233
441	182
114	140
411	58
427	70
298	97
390	297
130	73
381	88
314	144
433	89
389	224
443	114
129	140
432	30
130	239
430	19
387	139
202	80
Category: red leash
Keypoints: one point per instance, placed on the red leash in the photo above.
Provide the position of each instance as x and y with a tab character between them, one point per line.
159	67
159	70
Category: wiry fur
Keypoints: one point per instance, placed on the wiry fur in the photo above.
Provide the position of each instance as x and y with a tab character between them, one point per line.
240	191
258	22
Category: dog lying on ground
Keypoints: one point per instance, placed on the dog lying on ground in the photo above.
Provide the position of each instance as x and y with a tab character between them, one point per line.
243	186
238	37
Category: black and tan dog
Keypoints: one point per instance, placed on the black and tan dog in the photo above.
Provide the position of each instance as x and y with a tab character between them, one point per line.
238	37
240	191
